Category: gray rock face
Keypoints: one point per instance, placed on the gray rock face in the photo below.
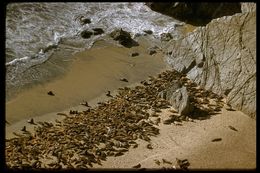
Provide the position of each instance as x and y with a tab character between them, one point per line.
222	58
248	7
178	98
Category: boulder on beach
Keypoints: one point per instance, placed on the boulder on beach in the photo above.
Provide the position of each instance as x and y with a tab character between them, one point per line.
166	37
152	50
178	97
134	54
124	38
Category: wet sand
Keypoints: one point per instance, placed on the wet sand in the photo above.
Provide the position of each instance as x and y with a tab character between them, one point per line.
91	74
95	71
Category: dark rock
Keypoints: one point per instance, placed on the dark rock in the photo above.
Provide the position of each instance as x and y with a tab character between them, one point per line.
124	38
86	34
197	14
151	52
51	93
166	36
84	20
134	54
148	32
98	31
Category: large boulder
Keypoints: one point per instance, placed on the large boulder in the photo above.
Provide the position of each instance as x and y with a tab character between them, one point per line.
123	37
86	34
178	97
221	57
195	13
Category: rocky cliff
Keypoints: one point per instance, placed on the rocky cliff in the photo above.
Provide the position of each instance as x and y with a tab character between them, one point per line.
221	57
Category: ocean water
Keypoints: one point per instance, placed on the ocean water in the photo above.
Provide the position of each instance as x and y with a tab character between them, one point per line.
33	27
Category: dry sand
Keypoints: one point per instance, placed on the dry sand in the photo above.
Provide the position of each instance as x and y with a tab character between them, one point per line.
192	141
98	70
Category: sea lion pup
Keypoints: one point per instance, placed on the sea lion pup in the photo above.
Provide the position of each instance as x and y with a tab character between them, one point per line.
31	121
137	166
85	103
108	94
123	79
229	107
24	129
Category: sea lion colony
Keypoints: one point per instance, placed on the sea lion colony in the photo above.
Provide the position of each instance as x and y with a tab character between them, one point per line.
85	138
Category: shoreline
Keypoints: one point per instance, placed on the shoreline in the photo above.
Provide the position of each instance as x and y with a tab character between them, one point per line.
91	74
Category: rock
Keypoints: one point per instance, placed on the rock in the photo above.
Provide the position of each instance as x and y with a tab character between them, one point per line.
183	164
197	14
84	20
86	34
181	101
151	52
221	57
148	32
166	36
178	97
248	7
134	54
98	31
123	37
51	93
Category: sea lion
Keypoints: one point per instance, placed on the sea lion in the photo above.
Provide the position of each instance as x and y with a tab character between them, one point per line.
137	166
31	121
123	79
24	129
108	94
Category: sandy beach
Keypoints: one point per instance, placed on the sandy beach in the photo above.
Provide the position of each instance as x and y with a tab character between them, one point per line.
90	75
95	71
